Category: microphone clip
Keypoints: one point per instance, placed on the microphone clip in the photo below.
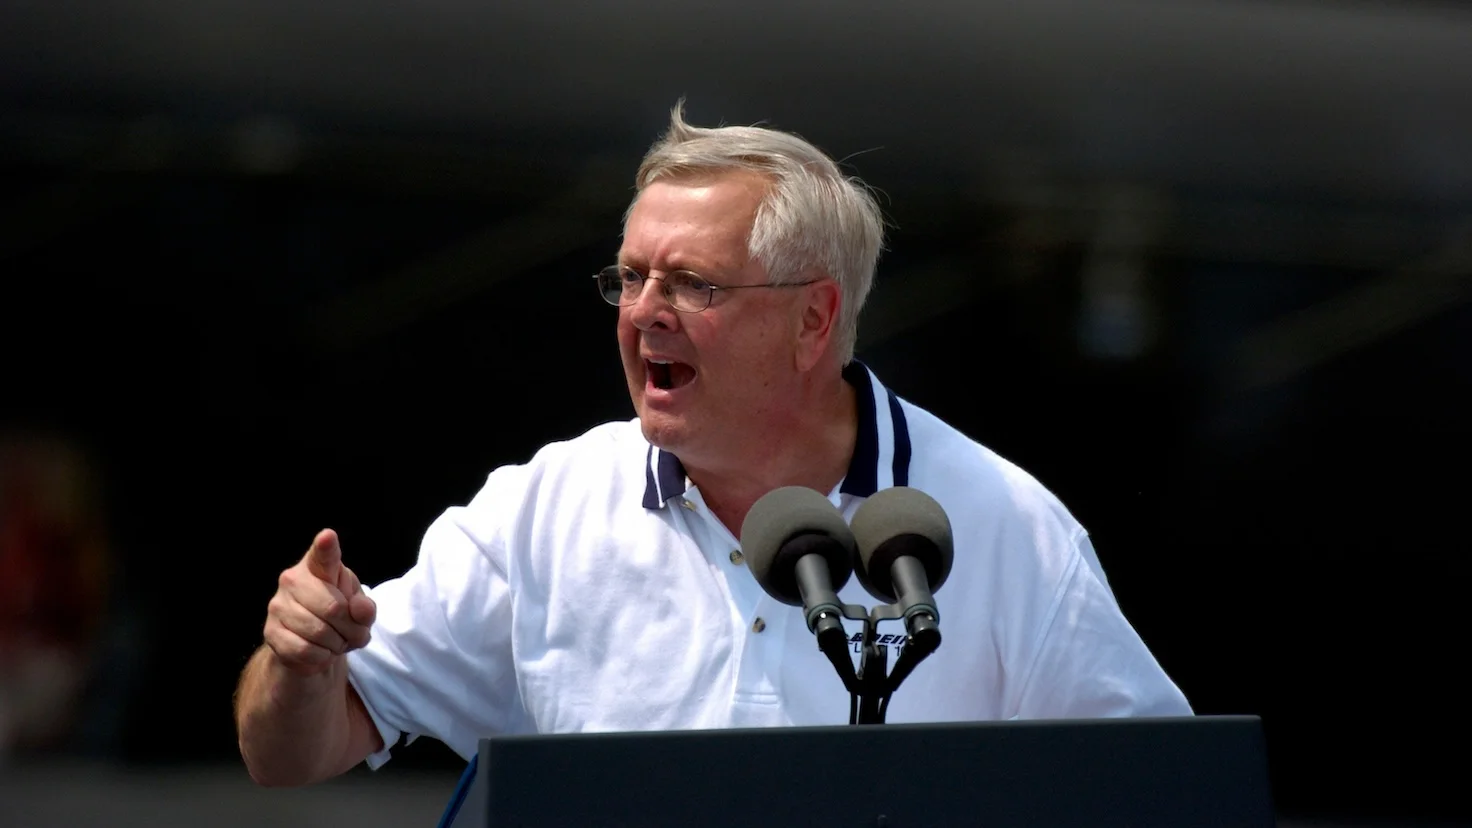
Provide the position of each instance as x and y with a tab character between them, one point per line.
872	684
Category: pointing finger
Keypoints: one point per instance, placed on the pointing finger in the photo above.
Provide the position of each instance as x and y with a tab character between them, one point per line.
324	559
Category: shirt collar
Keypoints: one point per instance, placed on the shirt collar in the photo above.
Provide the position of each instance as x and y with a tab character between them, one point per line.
881	449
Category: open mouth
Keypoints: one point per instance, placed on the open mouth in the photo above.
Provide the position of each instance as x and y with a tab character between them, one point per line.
667	376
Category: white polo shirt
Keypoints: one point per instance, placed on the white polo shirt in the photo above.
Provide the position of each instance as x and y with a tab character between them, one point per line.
590	589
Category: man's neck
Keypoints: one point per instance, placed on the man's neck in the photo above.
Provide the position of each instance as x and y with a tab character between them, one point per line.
813	449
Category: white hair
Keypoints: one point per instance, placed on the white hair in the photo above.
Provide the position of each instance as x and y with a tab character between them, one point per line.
813	218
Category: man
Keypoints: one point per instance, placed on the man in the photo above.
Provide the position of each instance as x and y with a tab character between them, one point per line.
600	586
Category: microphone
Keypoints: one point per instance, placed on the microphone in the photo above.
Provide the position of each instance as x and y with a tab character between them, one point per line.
801	552
905	554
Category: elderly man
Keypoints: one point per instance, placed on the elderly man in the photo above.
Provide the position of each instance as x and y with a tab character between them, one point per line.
600	585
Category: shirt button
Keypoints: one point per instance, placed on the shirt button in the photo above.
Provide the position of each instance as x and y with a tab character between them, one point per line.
737	557
758	625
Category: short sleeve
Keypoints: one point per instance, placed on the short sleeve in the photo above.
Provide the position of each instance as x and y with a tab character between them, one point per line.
1089	662
440	660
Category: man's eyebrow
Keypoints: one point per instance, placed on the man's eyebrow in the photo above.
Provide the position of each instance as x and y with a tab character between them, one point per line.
675	263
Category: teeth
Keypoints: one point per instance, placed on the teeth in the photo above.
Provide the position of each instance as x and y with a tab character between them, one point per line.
662	361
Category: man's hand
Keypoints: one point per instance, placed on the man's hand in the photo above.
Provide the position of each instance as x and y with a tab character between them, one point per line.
299	720
319	612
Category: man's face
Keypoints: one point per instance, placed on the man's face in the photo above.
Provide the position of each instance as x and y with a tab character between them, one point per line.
729	365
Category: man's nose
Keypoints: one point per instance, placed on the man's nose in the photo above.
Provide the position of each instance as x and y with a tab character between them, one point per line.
652	309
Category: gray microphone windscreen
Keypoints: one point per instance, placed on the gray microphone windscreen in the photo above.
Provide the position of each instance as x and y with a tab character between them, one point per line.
902	520
778	517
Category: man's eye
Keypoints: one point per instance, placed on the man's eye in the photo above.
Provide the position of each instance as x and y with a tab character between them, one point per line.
686	281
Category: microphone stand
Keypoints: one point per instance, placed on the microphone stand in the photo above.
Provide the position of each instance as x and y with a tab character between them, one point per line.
870	687
867	703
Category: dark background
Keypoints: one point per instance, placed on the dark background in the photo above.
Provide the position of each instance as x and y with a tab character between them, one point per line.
1200	267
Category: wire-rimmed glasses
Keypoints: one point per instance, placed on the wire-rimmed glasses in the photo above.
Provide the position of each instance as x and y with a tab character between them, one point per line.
687	292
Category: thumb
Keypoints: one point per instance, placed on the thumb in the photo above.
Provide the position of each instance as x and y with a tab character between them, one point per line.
324	559
361	608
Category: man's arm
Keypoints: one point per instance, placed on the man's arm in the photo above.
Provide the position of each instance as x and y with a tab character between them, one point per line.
297	718
299	730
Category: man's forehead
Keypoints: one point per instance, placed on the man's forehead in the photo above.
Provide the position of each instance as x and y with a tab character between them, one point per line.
690	225
668	257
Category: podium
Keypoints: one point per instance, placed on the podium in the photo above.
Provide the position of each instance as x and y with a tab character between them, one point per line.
1190	772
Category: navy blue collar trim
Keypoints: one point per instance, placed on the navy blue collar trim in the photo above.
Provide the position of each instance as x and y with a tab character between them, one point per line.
664	476
668	482
862	479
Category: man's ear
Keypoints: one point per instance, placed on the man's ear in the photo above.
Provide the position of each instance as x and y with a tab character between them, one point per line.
817	321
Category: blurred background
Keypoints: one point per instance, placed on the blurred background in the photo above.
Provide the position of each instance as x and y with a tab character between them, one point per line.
1201	267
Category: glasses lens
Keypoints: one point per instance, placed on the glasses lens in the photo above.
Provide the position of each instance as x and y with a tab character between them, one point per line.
688	292
611	283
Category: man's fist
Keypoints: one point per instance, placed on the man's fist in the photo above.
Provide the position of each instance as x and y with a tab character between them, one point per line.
319	611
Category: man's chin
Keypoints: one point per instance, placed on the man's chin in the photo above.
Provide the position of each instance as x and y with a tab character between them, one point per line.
663	431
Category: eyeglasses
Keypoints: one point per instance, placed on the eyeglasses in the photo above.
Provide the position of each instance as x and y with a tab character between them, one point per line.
685	291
